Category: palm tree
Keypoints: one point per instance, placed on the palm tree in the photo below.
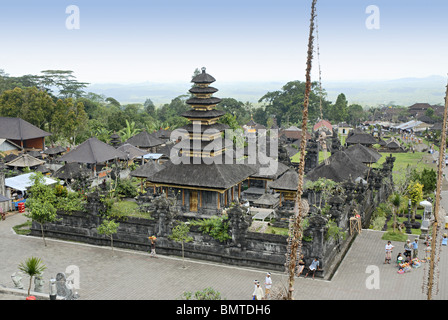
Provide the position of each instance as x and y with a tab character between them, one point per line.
33	267
129	131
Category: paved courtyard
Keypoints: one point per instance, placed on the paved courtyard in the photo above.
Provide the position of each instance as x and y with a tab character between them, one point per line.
133	275
127	275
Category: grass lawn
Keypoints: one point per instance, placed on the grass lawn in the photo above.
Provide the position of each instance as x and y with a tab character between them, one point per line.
418	160
127	209
295	158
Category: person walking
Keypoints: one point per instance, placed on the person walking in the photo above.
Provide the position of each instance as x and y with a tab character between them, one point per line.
268	284
313	267
389	248
258	292
153	247
415	249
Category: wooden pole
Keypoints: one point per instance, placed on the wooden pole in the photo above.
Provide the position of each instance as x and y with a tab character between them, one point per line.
297	227
435	225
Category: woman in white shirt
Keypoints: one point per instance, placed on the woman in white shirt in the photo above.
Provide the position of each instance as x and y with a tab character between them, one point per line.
389	248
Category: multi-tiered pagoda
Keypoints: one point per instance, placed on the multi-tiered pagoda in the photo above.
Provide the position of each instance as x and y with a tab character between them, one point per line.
204	140
199	172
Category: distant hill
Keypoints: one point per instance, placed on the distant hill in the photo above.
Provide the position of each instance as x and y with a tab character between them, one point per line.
404	92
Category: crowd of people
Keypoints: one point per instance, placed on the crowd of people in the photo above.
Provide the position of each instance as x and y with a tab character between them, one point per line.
409	258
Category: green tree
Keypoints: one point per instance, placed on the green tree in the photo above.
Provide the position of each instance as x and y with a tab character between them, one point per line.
108	228
33	267
29	104
287	104
64	81
180	235
129	131
40	202
396	200
150	108
415	193
427	177
235	108
340	109
356	114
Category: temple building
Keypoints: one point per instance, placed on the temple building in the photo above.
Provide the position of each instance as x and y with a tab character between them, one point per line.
201	174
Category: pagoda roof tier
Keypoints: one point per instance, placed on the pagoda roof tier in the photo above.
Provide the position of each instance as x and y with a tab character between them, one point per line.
203	78
194	145
203	90
202	176
203	101
209	114
218	127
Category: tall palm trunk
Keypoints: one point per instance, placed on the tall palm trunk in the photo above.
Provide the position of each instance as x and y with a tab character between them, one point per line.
297	224
435	226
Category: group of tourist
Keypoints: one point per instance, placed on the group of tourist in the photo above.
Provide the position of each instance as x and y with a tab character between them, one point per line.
409	258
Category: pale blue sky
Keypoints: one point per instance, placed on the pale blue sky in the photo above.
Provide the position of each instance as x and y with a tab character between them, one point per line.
245	40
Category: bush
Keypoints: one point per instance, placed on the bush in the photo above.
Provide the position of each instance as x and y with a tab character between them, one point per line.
216	227
123	209
378	223
125	188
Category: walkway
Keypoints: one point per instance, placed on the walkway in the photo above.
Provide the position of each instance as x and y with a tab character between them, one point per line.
134	275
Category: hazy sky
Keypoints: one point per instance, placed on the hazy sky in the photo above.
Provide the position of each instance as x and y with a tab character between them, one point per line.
244	40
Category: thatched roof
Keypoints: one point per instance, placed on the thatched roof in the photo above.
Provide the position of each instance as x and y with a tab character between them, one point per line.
363	154
203	77
392	144
267	199
70	171
55	150
265	170
162	134
34	153
144	140
288	181
25	160
92	151
147	170
361	138
340	168
210	176
42	168
131	151
19	129
10	157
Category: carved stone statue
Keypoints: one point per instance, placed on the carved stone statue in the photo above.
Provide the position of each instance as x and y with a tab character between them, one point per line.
39	283
17	280
239	222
